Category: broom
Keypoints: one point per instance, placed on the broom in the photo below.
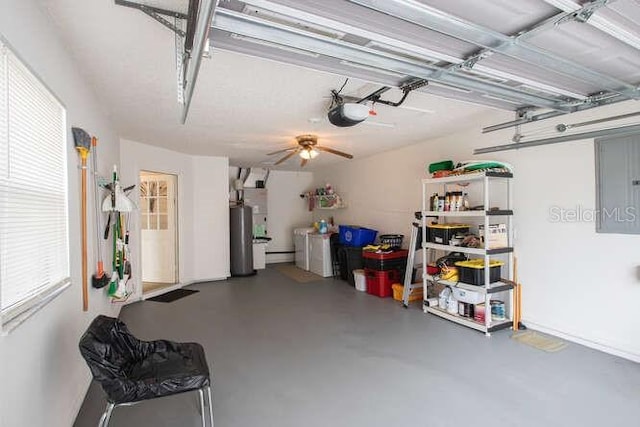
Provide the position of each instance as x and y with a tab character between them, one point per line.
82	142
99	279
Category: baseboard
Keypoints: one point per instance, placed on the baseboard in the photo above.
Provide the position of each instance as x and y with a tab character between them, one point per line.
278	258
211	279
587	343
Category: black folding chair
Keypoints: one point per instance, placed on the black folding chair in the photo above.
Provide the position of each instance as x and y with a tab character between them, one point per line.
130	370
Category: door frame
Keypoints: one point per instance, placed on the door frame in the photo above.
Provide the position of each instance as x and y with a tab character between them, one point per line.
176	237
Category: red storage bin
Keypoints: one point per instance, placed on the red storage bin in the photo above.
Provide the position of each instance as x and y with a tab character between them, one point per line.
396	260
379	282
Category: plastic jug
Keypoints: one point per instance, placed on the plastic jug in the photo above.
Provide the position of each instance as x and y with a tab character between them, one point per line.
323	228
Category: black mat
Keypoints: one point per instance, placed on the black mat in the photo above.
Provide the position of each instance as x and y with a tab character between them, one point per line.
173	295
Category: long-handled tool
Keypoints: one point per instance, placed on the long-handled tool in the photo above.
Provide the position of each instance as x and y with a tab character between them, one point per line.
82	142
117	203
517	299
100	279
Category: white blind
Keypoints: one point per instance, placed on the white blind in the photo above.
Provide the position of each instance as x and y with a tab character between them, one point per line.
34	248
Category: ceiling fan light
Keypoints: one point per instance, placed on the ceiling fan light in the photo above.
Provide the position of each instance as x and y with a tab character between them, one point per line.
308	153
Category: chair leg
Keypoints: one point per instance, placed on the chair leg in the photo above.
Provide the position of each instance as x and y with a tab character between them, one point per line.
202	409
210	405
106	415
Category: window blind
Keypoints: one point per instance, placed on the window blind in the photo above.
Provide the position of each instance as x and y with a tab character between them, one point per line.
34	247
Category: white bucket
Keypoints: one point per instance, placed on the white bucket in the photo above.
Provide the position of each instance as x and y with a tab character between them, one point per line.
360	279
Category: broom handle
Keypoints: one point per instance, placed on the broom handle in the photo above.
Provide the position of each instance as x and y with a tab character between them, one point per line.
85	291
98	222
516	291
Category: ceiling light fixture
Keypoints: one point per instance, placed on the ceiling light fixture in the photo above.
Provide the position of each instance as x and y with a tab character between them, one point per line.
309	153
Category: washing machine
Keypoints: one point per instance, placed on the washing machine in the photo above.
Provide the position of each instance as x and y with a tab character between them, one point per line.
301	244
320	254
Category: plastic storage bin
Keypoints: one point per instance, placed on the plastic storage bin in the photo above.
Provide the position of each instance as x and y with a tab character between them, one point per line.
389	261
472	271
379	282
356	236
349	259
391	239
469	297
398	289
442	233
360	280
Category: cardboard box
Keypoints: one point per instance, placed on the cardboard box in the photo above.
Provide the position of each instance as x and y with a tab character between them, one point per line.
497	237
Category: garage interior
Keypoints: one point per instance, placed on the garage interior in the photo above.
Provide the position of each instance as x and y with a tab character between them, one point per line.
233	101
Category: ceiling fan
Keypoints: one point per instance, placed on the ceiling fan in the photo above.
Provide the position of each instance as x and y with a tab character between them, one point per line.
308	149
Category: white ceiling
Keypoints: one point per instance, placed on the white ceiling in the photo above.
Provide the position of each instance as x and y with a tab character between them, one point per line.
245	107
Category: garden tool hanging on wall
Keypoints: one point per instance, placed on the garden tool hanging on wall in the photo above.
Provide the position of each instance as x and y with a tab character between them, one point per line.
100	279
118	205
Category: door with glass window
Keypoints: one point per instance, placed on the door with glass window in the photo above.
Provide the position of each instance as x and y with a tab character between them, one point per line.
158	228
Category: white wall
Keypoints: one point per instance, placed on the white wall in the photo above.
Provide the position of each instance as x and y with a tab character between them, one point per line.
203	217
210	218
43	378
576	283
285	209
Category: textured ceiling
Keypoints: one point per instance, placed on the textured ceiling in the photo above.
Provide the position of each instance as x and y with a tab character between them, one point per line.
245	106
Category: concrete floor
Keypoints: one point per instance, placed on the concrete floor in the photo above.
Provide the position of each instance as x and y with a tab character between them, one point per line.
288	354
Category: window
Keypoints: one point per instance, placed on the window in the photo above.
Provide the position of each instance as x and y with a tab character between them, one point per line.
154	212
34	247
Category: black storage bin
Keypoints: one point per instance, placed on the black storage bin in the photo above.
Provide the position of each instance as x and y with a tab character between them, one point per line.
472	272
392	261
350	258
442	233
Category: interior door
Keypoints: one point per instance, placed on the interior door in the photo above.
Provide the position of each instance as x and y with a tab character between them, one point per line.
158	227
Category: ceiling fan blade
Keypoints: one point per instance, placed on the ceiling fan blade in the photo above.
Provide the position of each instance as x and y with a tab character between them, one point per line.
282	151
287	157
332	151
303	162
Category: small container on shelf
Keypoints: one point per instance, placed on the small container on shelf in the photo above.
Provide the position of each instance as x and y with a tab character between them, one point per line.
479	312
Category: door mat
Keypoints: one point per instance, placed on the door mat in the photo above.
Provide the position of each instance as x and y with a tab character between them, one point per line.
297	274
539	341
173	295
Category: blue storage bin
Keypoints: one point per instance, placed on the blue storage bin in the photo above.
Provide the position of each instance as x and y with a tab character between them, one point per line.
356	236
